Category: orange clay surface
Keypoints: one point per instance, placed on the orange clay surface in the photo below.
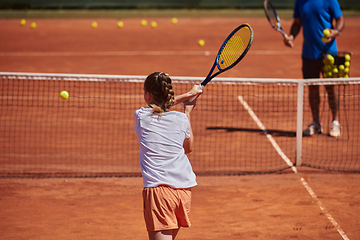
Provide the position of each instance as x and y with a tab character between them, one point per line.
271	206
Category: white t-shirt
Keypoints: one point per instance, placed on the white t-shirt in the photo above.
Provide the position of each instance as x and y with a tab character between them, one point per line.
162	156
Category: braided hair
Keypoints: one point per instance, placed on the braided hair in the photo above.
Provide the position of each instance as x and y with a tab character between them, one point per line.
158	84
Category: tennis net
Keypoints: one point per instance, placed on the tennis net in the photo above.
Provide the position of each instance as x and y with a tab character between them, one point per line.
241	126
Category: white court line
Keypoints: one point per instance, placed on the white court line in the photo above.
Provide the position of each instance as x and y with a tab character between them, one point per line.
270	138
285	158
327	214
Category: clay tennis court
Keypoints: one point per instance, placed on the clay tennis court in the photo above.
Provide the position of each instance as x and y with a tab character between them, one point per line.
269	206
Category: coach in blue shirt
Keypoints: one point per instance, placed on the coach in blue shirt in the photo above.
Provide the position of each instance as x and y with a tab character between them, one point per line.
315	16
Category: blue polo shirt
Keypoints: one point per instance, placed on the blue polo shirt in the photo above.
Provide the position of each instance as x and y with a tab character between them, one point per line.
316	15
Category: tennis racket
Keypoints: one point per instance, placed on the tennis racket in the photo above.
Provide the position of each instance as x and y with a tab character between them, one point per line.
234	48
273	17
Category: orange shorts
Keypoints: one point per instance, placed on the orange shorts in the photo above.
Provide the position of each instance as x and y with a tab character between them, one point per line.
166	208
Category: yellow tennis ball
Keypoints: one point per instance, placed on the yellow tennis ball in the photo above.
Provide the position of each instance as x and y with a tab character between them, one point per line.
94	24
346	70
347	64
326	32
201	42
153	24
341	67
347	57
174	20
64	95
120	24
335	70
33	25
143	22
23	22
324	39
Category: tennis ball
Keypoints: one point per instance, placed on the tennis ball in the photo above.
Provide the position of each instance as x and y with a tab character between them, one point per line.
324	39
347	64
347	57
153	24
64	95
33	25
23	22
346	70
326	32
143	22
335	70
94	24
174	20
120	24
341	67
201	42
329	57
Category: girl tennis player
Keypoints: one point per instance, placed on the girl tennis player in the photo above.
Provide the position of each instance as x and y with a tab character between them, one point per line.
165	137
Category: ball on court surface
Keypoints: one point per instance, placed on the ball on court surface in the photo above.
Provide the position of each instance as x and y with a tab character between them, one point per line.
347	57
23	22
174	20
64	95
326	32
153	24
143	22
201	42
94	24
120	24
33	25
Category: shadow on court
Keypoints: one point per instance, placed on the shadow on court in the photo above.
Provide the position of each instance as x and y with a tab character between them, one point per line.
278	133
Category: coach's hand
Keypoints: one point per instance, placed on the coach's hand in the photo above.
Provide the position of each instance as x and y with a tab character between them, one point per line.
289	41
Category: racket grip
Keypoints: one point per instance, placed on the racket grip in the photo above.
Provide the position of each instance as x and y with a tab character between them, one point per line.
200	87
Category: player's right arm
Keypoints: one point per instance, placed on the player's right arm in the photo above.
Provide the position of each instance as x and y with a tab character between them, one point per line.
189	142
295	29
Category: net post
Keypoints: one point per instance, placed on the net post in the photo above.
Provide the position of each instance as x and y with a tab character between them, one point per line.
299	121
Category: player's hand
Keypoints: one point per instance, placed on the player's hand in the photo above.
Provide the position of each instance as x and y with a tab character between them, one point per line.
195	91
289	41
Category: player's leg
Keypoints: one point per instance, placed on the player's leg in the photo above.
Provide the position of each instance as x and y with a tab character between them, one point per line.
311	68
333	101
163	235
314	101
160	235
334	106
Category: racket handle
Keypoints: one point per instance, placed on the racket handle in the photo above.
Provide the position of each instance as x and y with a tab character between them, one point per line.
200	87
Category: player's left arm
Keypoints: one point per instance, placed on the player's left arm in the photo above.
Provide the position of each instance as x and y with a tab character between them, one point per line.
194	91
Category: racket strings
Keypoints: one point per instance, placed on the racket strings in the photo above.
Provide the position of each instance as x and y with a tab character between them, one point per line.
234	48
270	12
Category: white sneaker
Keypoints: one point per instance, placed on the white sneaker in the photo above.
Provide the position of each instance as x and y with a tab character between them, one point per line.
312	129
335	129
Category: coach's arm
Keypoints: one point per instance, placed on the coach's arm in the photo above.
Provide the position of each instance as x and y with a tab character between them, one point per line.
295	29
